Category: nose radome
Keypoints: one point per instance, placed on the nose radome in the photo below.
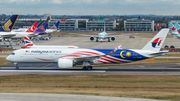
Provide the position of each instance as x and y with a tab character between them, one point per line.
8	58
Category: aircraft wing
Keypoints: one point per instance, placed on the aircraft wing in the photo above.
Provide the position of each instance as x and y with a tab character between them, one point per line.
8	35
91	57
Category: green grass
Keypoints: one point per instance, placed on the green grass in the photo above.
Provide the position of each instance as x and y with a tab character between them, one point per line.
151	87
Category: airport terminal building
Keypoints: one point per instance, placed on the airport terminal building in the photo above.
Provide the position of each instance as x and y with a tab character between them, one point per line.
82	25
138	25
99	26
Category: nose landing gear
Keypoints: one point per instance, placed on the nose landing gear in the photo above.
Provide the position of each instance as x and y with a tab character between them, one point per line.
16	66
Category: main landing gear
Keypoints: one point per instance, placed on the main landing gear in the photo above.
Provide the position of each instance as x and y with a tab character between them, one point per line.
87	68
16	66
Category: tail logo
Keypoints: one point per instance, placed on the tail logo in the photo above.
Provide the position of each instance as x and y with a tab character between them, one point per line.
173	29
157	42
54	27
179	31
42	27
32	29
6	25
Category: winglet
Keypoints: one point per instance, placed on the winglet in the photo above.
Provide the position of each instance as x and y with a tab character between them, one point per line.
112	52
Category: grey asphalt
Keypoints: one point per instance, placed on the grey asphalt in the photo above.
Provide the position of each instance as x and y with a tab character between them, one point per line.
62	97
84	42
52	69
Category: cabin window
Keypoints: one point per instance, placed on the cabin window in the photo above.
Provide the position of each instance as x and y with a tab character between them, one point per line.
12	53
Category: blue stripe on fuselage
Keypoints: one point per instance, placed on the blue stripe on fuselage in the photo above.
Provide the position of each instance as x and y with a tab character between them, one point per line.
123	54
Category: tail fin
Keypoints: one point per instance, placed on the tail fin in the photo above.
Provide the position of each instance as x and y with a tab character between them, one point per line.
156	43
9	24
27	42
55	26
172	27
33	27
41	28
177	27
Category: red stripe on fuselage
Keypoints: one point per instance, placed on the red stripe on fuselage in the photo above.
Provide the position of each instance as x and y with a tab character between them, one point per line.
109	61
115	59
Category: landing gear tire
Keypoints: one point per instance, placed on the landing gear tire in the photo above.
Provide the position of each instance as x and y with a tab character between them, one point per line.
87	68
109	40
17	67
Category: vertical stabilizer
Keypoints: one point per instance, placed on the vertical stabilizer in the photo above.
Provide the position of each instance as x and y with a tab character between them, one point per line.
55	26
9	24
27	42
41	28
33	27
172	27
156	43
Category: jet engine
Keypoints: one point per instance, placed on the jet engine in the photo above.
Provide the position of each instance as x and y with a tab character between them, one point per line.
91	38
65	63
113	38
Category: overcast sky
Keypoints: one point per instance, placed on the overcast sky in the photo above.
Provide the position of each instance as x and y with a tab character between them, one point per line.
90	7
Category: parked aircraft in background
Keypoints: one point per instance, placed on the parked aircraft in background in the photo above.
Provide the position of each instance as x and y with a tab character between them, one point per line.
29	44
68	58
29	32
174	30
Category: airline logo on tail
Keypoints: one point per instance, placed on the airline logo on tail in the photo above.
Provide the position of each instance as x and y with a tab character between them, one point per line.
7	25
173	29
33	27
54	27
157	42
27	42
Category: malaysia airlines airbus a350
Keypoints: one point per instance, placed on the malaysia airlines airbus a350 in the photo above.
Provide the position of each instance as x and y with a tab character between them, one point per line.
68	58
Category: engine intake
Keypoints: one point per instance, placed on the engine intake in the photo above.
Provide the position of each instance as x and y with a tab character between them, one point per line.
113	38
91	38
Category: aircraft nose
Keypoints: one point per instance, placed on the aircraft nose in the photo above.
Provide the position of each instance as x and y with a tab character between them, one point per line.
8	58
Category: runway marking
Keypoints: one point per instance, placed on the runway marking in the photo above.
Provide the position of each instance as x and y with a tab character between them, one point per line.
48	65
47	71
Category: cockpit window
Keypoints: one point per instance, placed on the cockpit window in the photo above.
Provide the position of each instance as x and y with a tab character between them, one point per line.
12	53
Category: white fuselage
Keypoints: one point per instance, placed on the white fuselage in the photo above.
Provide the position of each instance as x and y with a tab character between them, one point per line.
102	35
52	55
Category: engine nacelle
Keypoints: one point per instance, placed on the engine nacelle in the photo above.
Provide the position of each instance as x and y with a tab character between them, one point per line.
91	38
65	63
113	38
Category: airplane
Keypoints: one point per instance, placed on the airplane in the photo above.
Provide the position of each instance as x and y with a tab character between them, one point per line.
102	36
68	58
29	44
30	32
